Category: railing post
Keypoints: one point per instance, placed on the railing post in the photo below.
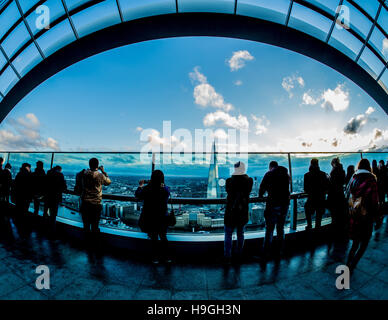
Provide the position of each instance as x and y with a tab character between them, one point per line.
294	214
52	160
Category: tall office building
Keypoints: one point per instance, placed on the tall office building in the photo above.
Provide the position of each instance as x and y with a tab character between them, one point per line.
213	189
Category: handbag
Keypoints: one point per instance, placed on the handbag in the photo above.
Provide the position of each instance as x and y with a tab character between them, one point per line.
171	220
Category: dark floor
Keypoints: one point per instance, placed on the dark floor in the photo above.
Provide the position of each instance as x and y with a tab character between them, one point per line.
76	273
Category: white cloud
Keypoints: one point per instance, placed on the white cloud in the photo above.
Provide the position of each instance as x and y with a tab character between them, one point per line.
238	59
356	123
238	83
261	124
290	82
309	100
139	129
24	134
205	95
240	122
336	100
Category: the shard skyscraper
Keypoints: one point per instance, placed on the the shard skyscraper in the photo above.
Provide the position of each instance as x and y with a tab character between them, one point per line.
213	189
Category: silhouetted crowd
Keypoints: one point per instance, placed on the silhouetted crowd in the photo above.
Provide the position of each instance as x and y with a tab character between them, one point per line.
356	200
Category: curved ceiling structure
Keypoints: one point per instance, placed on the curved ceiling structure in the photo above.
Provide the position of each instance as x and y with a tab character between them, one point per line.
347	35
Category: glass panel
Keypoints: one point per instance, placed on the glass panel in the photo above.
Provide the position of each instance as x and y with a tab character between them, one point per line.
7	80
329	6
56	11
27	4
72	4
345	42
379	42
384	81
3	60
16	39
383	19
371	63
56	38
8	18
275	10
370	6
28	59
358	22
375	156
97	17
133	9
17	159
1	98
310	22
224	6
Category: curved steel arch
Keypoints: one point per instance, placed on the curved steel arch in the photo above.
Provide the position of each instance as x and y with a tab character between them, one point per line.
193	24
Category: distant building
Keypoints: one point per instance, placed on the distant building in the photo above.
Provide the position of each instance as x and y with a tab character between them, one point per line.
213	189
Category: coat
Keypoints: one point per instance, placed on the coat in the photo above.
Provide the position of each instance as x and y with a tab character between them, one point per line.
155	211
276	183
55	186
316	184
238	188
363	184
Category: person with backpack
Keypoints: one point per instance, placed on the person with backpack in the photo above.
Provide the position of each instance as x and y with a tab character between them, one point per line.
93	180
238	188
23	191
363	203
154	216
276	183
5	183
316	184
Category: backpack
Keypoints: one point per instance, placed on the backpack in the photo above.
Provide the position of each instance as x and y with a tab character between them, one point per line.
79	184
356	206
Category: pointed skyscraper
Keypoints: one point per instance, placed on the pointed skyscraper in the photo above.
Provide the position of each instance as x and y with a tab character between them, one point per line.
213	189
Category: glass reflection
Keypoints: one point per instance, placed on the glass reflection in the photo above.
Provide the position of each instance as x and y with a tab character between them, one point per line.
56	38
371	63
16	39
275	11
344	41
99	16
28	59
7	80
133	9
222	6
329	6
8	18
310	22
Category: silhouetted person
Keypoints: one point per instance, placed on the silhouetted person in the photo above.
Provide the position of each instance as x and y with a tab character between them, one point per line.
336	196
55	186
363	210
91	197
238	187
154	214
276	183
375	169
23	190
316	185
38	180
349	174
1	163
5	183
382	181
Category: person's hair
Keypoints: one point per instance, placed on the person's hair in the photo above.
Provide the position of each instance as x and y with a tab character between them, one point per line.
93	163
39	164
58	168
157	179
8	166
382	162
273	164
314	162
26	165
350	169
335	162
364	164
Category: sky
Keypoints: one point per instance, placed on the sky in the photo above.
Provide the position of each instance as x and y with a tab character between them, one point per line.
118	101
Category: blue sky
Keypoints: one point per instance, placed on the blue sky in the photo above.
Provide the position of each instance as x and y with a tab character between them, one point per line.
286	101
